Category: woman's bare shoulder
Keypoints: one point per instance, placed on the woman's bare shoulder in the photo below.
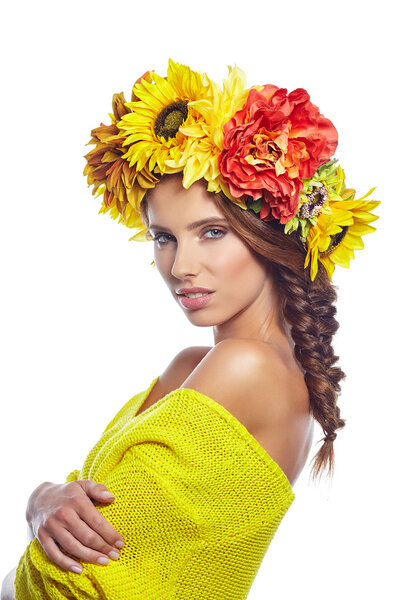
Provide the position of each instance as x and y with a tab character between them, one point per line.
179	369
222	372
182	365
232	360
233	368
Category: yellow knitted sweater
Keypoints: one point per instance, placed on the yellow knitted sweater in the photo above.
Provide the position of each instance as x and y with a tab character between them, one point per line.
197	501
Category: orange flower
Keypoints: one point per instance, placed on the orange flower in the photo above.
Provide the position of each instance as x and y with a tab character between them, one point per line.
271	144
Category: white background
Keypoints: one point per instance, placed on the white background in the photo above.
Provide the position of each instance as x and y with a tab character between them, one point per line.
86	321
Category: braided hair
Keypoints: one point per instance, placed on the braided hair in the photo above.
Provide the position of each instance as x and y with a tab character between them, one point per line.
308	308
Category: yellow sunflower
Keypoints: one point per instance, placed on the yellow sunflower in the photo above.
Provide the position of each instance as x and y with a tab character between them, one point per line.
338	233
152	129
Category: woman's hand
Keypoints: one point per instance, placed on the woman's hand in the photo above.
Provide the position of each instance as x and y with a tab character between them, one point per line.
62	516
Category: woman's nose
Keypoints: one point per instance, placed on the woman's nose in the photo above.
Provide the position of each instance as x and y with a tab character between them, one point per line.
186	261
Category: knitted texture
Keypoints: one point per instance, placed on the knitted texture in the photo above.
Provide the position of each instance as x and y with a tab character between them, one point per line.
197	501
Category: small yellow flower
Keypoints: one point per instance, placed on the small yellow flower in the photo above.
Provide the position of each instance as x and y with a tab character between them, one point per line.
338	233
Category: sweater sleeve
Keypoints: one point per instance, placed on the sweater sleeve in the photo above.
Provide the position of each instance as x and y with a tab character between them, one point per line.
226	567
37	578
73	476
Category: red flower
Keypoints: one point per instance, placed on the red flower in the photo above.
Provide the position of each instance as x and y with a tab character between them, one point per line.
274	142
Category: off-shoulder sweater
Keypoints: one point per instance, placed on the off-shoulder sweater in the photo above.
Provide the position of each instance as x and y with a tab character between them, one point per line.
197	502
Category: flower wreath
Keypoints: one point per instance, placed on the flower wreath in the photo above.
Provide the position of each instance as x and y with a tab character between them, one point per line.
266	150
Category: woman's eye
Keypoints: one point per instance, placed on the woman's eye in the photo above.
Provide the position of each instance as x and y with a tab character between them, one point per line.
218	233
160	235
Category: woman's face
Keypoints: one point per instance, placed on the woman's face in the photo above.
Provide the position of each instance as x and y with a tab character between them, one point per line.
208	255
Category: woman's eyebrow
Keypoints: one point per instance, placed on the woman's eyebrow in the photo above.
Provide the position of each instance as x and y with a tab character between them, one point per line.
193	225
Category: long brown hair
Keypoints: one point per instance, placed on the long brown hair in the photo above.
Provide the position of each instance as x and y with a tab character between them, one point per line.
308	308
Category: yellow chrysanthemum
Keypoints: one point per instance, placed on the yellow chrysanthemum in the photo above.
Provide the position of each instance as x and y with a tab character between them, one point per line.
152	129
204	129
338	233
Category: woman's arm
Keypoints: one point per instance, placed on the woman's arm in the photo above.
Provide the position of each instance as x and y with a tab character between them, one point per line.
7	589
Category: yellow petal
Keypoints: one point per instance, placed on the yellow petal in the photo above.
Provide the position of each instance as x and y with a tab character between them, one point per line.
191	130
341	256
354	241
361	228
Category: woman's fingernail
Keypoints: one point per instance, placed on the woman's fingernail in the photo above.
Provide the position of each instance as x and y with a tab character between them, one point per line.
119	544
76	569
103	560
106	495
113	554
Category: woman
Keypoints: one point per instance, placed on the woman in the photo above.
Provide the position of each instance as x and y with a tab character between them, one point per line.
237	189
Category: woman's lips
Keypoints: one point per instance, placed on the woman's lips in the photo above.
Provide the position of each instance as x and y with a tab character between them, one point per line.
196	302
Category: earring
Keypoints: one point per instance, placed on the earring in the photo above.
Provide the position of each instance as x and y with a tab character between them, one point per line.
152	264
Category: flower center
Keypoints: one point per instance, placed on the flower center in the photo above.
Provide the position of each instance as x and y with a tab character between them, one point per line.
170	119
316	200
266	149
335	241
